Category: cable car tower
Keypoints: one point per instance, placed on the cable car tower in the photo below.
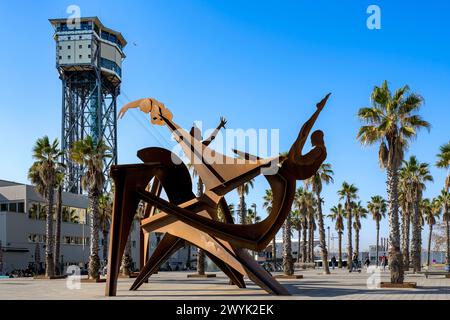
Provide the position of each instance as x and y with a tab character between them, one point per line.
89	62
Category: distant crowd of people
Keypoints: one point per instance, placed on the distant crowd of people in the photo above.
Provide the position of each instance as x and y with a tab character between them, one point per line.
356	264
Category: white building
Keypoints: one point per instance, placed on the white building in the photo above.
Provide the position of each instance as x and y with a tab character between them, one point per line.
22	228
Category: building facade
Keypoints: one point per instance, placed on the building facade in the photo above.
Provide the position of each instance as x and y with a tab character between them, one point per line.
22	229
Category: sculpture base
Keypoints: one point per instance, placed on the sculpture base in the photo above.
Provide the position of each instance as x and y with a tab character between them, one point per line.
93	280
404	285
49	278
286	277
130	276
206	275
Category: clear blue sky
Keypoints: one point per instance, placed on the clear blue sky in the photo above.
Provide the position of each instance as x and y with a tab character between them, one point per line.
261	64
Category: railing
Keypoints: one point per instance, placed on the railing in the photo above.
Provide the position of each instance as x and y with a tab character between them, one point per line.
111	65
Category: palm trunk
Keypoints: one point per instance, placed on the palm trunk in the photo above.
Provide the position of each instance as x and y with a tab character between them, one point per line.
288	267
349	235
311	241
407	223
395	255
105	244
50	267
94	260
200	252
127	260
58	230
242	208
357	241
274	253
304	243
340	249
299	240
447	225
429	246
416	236
323	245
378	241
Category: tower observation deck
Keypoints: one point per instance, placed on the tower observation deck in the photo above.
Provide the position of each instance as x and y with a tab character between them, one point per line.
89	60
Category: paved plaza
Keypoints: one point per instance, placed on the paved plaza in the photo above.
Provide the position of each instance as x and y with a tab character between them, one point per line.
175	286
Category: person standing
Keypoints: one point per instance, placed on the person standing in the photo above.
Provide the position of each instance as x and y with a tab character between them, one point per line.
333	262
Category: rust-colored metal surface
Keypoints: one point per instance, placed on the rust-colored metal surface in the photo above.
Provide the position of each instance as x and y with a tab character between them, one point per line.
183	217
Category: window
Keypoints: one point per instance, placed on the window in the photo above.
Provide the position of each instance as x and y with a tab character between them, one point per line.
68	47
68	57
80	46
69	38
80	56
89	46
89	56
4	207
80	37
13	207
60	47
21	207
60	57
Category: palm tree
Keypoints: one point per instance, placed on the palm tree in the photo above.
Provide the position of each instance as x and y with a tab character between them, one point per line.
444	163
416	174
323	175
432	212
444	201
377	207
348	192
305	203
359	212
242	191
337	214
90	155
59	182
268	199
43	174
104	220
393	122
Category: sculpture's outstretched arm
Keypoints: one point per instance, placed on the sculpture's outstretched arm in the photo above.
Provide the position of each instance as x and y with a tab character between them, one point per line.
297	146
213	135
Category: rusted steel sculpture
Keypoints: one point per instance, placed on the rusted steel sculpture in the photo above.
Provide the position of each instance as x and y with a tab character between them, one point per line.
187	218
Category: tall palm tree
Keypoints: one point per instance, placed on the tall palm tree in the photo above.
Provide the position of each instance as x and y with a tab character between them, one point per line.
432	211
337	214
392	120
416	175
359	212
91	155
43	174
104	220
323	175
444	201
348	192
444	163
377	207
267	204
